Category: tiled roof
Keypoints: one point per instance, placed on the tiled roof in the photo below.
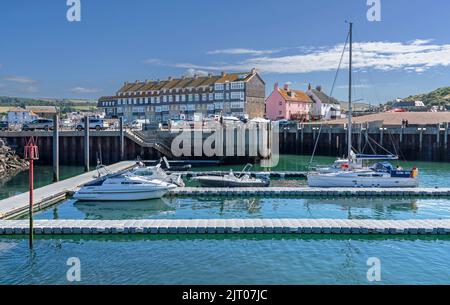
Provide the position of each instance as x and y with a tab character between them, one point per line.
42	109
185	82
325	99
17	109
294	95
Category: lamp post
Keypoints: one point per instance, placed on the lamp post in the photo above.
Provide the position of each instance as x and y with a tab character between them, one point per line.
31	154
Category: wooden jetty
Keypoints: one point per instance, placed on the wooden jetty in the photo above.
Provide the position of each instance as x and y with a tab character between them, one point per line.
228	226
52	193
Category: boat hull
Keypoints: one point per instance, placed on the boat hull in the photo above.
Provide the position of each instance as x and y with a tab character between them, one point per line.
369	182
222	182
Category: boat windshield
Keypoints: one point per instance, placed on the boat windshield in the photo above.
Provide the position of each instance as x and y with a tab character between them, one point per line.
382	167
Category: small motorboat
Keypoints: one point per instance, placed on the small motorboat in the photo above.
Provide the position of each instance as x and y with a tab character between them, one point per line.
123	187
231	180
156	172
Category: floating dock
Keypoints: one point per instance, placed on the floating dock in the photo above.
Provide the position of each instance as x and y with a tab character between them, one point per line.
311	192
52	193
228	226
273	174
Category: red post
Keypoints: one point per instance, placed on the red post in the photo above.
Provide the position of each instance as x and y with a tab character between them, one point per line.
31	154
31	178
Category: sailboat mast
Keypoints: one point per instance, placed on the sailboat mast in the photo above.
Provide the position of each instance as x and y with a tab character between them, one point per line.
350	110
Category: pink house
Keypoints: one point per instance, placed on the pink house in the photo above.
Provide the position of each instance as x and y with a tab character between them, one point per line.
288	104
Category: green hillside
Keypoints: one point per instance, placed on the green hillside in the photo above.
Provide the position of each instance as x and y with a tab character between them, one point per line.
65	105
438	97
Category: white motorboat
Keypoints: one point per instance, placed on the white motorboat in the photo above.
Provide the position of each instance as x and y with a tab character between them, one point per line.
156	172
123	187
231	180
352	172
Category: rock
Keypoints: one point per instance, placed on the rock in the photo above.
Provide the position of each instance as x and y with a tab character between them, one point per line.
10	163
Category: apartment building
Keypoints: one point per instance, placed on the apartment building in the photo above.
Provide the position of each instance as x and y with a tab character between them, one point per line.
237	94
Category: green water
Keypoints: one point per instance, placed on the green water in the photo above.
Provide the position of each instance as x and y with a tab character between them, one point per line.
248	259
43	175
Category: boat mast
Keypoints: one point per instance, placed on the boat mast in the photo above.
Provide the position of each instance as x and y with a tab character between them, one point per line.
349	127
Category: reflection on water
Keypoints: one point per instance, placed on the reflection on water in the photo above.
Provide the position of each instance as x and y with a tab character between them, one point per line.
235	259
124	210
226	208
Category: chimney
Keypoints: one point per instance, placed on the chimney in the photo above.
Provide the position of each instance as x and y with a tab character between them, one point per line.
286	86
319	88
254	71
170	78
223	74
209	75
275	87
309	87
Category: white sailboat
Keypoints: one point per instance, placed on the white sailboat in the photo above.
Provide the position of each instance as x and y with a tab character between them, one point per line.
352	172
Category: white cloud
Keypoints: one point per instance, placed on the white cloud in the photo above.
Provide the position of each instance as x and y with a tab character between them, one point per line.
417	55
20	79
242	51
82	90
191	72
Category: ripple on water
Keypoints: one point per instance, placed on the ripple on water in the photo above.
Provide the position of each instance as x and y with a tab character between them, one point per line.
234	260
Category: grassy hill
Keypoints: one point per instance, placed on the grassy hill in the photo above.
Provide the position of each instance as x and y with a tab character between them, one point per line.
438	97
65	105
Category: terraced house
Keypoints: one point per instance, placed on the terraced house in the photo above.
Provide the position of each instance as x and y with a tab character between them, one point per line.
237	94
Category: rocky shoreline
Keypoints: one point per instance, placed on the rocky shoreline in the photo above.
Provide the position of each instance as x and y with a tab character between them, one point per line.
10	163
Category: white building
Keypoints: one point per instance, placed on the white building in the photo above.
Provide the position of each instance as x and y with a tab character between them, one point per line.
19	115
324	107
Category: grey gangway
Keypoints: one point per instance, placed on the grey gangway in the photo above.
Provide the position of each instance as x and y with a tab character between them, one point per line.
228	226
53	193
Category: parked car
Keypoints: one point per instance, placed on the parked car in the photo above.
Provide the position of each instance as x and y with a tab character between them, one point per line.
39	124
4	125
94	123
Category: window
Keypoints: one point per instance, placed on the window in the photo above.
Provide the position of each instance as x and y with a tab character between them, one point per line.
237	85
164	98
218	87
191	96
204	97
227	96
218	105
237	95
183	98
281	103
218	96
177	98
197	97
211	96
237	105
170	98
227	86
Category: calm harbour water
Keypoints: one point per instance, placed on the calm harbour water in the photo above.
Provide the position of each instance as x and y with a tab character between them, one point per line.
249	259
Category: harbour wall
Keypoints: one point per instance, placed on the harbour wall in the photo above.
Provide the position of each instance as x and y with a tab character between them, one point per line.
413	143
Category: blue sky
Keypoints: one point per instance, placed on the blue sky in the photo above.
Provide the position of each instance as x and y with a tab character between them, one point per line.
294	41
